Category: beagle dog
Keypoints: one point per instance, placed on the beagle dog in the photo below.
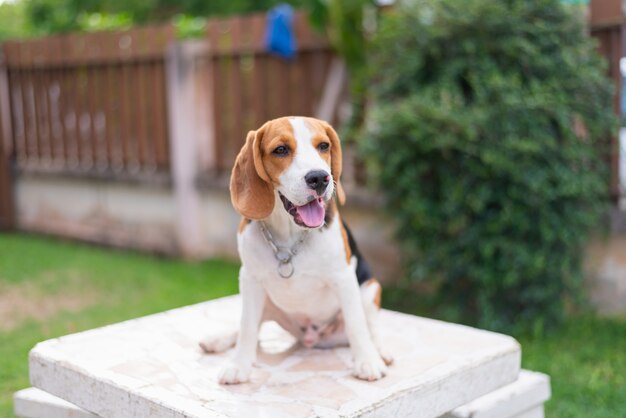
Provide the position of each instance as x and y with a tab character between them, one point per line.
300	265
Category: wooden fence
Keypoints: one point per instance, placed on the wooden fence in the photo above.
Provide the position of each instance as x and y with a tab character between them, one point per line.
611	46
7	212
251	86
99	102
90	102
7	217
608	27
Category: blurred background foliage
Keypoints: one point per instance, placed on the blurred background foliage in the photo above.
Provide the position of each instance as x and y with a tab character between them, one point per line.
488	131
349	25
27	18
13	20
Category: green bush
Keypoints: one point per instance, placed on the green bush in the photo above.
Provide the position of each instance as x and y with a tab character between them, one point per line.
487	130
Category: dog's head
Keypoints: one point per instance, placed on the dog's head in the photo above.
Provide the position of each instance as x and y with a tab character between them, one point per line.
298	157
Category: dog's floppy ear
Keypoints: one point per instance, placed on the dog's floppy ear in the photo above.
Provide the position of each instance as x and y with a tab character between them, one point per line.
250	191
335	160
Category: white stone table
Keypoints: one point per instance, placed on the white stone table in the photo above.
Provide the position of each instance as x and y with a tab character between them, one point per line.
523	398
153	367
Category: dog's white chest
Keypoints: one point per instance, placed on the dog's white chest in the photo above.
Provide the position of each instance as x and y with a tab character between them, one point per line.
317	266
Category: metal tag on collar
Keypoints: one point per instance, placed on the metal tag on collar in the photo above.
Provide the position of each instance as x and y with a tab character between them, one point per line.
285	266
285	269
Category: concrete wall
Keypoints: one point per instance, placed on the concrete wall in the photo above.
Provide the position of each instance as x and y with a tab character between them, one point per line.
119	214
144	216
606	273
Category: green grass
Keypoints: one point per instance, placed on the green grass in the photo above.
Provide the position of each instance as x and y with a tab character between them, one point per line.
585	358
121	285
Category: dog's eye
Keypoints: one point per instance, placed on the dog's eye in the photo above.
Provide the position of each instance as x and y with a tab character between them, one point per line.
281	150
323	146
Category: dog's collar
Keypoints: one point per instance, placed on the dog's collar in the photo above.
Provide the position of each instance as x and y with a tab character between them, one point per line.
283	254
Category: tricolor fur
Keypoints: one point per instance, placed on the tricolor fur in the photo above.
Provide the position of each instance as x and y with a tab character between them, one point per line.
286	176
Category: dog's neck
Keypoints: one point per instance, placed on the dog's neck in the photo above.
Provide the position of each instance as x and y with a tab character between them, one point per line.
281	224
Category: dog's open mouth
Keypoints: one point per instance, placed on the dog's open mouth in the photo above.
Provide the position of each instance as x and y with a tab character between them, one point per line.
310	215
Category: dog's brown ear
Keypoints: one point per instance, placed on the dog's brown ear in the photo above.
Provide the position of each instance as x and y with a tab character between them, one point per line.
335	161
250	192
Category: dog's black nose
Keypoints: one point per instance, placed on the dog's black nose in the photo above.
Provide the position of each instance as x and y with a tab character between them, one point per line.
317	180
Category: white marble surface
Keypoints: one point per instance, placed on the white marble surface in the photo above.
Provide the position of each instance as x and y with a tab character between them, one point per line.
153	367
523	398
35	403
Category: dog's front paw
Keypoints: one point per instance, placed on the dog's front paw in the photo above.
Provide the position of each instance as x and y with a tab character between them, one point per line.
370	368
233	373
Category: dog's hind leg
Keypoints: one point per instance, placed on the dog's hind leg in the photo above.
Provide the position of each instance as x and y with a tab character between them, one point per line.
335	334
273	313
219	343
224	341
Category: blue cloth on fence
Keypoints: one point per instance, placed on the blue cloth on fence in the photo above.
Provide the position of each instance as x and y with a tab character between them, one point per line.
279	37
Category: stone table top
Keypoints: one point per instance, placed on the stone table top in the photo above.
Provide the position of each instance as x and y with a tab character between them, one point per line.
153	367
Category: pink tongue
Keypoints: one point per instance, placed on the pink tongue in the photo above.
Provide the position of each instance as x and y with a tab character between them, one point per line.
312	214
